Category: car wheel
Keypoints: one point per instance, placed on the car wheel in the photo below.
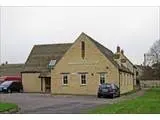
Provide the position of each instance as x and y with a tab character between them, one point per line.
105	96
99	95
9	91
118	95
21	91
113	95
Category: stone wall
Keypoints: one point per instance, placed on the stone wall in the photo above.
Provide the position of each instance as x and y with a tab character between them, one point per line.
149	83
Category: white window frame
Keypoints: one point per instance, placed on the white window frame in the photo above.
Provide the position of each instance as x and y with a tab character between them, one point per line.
103	76
81	79
63	78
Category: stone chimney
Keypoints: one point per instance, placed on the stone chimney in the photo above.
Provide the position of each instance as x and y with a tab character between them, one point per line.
118	49
122	51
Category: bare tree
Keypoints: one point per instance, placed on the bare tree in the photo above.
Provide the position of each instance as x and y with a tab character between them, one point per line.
155	51
153	56
153	59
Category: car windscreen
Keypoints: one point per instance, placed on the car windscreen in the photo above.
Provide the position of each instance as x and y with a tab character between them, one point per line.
105	86
114	86
6	83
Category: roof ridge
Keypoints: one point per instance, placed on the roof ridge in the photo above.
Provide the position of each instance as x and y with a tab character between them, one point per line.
52	44
107	52
14	64
128	59
96	41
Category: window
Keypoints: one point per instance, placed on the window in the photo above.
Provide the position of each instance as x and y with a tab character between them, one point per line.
41	84
51	64
83	79
121	78
102	78
124	79
83	49
137	73
6	83
65	79
130	79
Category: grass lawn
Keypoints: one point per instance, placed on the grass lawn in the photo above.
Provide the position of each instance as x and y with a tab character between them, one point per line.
149	103
7	106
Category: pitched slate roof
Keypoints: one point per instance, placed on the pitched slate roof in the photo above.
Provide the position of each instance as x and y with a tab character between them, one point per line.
41	55
123	68
11	69
108	54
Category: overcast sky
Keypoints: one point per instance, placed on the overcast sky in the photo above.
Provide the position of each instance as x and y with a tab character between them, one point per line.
132	28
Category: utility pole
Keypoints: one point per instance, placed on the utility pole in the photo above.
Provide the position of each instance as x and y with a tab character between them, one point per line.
144	62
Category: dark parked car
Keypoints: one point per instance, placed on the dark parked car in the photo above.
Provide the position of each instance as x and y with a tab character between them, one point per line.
1	82
108	90
11	86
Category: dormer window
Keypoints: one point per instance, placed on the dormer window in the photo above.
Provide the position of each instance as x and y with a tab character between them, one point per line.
82	49
51	64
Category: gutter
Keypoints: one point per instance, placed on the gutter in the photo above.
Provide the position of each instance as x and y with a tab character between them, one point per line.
30	72
126	71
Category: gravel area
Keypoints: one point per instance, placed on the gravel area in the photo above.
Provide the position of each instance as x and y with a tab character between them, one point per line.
35	103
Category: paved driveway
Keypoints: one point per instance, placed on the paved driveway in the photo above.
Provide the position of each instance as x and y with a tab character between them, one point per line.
45	103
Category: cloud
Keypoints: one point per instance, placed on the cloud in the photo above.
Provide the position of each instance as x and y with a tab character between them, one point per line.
133	28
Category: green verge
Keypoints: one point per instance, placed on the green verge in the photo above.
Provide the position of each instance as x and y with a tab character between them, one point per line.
4	107
149	103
